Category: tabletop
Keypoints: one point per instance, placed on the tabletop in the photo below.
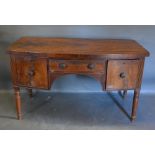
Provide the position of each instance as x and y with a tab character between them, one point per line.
75	46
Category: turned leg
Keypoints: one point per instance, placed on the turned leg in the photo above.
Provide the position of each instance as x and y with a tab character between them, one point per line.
30	92
18	102
135	104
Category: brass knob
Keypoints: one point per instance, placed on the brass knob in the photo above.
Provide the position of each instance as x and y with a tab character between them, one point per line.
62	65
122	75
91	66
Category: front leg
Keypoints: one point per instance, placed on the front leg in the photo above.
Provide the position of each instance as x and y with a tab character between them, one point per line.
18	103
135	104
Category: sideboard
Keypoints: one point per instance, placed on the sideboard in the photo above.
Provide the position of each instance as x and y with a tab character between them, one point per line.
116	63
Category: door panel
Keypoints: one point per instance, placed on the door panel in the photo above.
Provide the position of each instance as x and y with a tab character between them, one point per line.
123	74
30	72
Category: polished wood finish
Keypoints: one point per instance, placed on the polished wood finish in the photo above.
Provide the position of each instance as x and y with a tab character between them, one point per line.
69	66
27	71
78	48
18	103
135	104
123	74
116	63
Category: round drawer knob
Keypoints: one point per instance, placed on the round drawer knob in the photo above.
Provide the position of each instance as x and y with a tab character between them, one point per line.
91	66
62	65
122	75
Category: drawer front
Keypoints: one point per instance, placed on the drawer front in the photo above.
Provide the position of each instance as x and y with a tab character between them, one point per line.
30	72
76	66
123	74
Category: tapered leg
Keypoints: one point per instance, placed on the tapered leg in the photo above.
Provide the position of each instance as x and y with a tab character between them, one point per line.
135	104
30	92
18	102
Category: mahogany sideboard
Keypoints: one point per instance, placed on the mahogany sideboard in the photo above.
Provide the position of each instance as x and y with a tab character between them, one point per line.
117	63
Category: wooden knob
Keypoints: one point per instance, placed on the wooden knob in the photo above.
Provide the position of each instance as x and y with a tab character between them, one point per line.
122	75
62	65
91	66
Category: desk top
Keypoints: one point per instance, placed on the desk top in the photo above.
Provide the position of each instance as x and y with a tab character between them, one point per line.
65	47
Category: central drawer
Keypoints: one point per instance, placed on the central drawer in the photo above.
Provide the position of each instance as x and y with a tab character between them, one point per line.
77	66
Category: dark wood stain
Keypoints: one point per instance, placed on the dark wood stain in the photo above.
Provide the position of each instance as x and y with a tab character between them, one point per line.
36	62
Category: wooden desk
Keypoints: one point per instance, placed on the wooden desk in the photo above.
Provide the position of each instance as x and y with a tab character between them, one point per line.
37	62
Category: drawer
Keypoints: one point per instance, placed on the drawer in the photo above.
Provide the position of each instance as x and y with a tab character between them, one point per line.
29	72
76	66
123	74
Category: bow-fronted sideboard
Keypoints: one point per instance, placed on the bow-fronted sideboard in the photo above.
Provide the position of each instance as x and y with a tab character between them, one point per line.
117	63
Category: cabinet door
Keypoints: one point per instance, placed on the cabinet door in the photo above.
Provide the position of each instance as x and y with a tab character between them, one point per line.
29	72
123	74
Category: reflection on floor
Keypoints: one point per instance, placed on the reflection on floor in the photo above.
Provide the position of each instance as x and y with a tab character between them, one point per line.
76	111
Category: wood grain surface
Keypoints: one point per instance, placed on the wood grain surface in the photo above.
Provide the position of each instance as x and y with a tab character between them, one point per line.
117	64
74	48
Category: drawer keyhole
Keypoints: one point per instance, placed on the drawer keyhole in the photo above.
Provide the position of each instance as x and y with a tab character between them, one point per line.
91	66
122	75
31	73
62	65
